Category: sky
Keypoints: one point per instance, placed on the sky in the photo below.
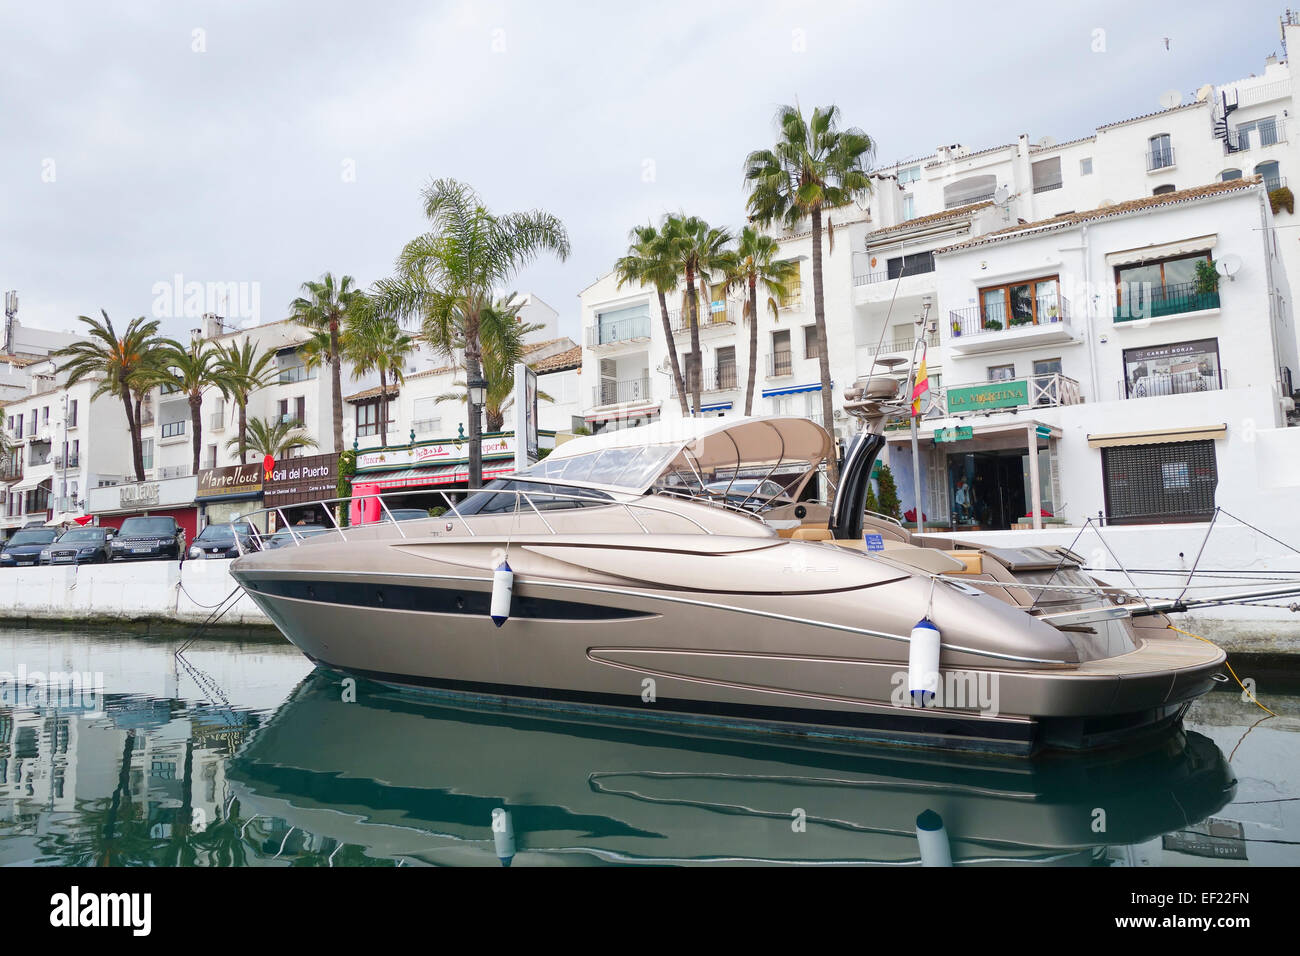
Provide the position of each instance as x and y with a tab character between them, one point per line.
166	158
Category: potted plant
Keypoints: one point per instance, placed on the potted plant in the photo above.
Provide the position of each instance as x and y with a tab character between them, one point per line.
1053	314
993	325
956	329
1206	280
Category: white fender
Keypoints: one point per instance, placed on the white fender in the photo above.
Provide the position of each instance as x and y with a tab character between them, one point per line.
933	840
503	586
923	662
503	835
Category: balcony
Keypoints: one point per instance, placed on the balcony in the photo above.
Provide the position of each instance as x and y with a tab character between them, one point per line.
296	421
1033	391
173	471
780	363
72	461
1141	300
956	202
173	430
619	332
217	422
295	373
708	320
11	467
900	347
720	379
1158	159
977	329
616	392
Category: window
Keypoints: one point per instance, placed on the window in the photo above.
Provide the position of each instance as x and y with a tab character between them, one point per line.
811	345
1032	302
74	458
72	413
909	175
424	416
1002	373
793	297
1047	174
368	417
1046	386
1163	190
972	190
727	367
911	265
909	208
622	325
1161	287
45	415
1159	483
1229	174
781	359
1260	132
1269	172
1175	369
19	433
210	459
1161	152
146	452
1085	166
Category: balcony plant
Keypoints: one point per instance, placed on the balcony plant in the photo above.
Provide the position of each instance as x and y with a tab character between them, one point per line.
993	325
1206	279
1053	313
1282	198
956	329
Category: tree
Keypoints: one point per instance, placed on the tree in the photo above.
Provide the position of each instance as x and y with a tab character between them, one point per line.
447	276
756	261
890	506
651	260
191	369
122	365
274	437
374	342
700	250
323	308
502	336
245	369
814	166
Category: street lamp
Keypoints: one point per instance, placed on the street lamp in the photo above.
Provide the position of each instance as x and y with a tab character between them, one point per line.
476	388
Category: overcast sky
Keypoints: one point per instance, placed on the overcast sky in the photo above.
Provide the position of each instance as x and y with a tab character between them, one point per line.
264	144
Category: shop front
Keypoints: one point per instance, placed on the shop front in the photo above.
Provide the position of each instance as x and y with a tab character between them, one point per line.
166	498
980	477
225	494
292	487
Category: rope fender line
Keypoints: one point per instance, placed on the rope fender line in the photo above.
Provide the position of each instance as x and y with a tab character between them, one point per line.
1251	697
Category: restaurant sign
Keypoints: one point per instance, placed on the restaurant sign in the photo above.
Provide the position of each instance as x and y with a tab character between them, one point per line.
500	445
229	482
138	495
978	398
311	477
960	433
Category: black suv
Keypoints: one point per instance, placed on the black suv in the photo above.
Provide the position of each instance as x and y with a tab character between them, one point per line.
25	547
149	539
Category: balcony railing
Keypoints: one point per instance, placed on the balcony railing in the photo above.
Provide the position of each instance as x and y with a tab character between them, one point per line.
296	373
897	345
11	468
1048	186
295	421
612	392
217	421
981	320
780	363
1152	382
426	426
173	429
1160	159
618	331
173	471
1036	391
73	461
707	319
1143	300
958	201
712	379
883	275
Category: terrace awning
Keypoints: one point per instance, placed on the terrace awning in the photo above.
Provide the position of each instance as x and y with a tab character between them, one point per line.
433	475
1185	247
1159	436
793	389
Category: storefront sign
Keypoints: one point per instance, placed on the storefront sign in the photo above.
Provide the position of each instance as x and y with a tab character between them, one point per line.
975	398
435	453
137	496
295	480
1173	369
960	433
230	481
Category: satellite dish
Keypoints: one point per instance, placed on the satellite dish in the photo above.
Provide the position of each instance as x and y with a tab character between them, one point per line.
1001	196
1229	265
1045	142
1170	99
1204	92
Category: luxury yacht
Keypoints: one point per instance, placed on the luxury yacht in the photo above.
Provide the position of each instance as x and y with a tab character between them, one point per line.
655	574
430	781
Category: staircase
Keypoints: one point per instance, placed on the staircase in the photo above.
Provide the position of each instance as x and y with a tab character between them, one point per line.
1222	110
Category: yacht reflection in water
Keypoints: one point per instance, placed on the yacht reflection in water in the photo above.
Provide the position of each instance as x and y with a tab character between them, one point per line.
444	782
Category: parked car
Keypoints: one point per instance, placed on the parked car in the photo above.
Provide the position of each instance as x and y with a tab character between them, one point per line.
80	546
25	547
286	538
149	539
218	541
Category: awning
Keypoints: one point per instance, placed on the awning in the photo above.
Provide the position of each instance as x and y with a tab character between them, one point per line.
31	484
635	411
794	389
1185	247
434	475
719	407
1159	436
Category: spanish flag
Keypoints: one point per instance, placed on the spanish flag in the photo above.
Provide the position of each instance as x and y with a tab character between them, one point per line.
920	386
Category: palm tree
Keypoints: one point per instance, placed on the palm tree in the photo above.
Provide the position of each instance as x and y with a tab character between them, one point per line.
245	369
374	342
700	251
323	308
446	277
502	336
122	365
756	261
814	166
274	437
191	369
652	261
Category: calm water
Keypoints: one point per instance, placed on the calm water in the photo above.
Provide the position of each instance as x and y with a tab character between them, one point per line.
239	755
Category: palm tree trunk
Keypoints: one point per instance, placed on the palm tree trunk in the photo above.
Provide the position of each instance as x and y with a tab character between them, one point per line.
243	430
383	409
823	358
196	422
335	362
672	349
133	429
473	371
753	344
694	364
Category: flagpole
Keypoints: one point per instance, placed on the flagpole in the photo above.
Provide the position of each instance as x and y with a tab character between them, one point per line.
916	451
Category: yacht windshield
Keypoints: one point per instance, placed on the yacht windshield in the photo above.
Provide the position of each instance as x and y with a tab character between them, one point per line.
497	497
631	468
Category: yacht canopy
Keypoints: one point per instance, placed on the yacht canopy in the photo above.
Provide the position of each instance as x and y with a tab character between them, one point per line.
634	458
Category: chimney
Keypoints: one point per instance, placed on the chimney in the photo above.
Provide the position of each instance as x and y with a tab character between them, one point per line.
212	325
